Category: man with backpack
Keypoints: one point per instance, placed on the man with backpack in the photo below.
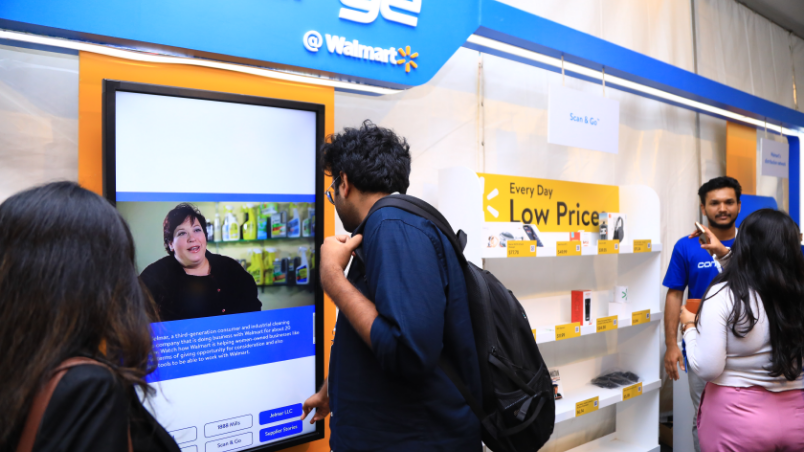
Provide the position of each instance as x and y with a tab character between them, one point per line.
403	312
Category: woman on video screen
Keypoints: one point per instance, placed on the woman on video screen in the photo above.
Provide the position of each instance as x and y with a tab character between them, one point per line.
191	282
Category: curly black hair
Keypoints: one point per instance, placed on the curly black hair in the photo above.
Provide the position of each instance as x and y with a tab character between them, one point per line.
375	159
718	183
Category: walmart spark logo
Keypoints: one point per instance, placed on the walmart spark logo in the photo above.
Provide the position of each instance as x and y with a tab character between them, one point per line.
407	58
339	45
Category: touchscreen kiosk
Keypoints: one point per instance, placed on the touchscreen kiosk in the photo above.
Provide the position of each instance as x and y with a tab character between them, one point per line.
222	193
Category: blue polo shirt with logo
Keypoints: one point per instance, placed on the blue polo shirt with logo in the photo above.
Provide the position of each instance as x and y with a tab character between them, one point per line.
691	266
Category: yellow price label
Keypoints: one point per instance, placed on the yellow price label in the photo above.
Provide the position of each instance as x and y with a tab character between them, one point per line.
608	247
568	331
521	248
607	323
642	246
629	392
572	248
640	317
587	406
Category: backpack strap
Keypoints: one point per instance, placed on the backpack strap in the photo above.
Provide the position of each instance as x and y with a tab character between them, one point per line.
458	240
421	208
42	399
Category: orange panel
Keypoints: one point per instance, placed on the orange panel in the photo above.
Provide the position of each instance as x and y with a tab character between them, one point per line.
94	68
741	156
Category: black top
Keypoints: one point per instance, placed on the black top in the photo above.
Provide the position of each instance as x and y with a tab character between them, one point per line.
228	289
91	411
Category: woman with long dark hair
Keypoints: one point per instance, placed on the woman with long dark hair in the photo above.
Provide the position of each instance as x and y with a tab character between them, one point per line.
747	340
72	307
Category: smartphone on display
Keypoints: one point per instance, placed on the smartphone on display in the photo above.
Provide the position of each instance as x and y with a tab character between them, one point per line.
702	238
532	234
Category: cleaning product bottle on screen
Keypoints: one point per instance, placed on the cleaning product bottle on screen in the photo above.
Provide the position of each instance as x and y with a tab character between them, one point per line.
250	225
294	225
302	270
307	224
255	268
217	228
234	226
269	256
280	271
227	219
262	221
291	271
278	223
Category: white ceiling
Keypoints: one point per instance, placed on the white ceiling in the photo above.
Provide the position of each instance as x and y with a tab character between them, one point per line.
789	14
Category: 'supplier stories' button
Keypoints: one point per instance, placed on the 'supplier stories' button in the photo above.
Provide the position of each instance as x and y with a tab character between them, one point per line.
230	443
280	431
280	414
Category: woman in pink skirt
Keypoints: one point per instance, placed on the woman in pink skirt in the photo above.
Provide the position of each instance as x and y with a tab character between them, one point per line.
747	340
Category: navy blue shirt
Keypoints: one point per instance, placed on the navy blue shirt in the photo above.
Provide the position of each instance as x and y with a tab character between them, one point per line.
392	396
692	266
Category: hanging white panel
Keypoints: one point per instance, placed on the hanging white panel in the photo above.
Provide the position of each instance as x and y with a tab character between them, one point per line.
575	118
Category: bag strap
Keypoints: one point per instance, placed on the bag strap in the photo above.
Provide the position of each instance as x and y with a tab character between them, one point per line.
418	207
42	399
458	240
452	374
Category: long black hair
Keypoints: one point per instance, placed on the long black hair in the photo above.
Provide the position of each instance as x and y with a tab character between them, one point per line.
767	259
68	287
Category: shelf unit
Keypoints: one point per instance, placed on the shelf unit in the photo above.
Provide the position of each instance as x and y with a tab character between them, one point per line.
271	239
543	285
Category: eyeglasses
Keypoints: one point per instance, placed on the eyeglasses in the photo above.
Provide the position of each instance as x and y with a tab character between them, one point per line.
331	191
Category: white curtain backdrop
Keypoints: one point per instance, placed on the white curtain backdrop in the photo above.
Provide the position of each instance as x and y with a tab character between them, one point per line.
797	50
38	118
742	49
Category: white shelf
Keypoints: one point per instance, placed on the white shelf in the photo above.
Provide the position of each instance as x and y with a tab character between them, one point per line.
565	408
548	251
546	334
611	443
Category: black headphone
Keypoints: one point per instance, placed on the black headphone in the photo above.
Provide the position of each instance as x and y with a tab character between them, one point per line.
619	227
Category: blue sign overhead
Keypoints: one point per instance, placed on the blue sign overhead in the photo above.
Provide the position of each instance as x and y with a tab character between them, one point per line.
396	43
391	43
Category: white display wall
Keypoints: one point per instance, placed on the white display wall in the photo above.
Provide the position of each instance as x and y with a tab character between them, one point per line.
38	118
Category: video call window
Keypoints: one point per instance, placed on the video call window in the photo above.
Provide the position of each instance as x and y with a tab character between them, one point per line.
223	195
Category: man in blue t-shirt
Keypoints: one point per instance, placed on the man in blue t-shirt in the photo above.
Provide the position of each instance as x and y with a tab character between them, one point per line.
403	307
692	267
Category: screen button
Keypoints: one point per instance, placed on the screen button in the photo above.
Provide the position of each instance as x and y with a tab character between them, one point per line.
184	435
230	443
189	449
280	414
228	425
279	431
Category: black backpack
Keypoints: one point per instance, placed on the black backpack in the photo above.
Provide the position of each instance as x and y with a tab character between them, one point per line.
517	411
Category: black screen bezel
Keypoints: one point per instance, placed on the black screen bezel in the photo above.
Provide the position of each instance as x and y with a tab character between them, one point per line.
110	89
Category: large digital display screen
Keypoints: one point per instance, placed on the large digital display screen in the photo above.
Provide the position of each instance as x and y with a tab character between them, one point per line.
222	196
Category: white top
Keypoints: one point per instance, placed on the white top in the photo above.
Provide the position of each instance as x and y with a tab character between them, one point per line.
715	354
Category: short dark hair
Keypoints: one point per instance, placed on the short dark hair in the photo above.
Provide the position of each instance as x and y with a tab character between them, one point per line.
718	183
176	217
375	159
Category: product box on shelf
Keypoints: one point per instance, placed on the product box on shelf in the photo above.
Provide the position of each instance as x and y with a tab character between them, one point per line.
619	306
613	226
582	307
